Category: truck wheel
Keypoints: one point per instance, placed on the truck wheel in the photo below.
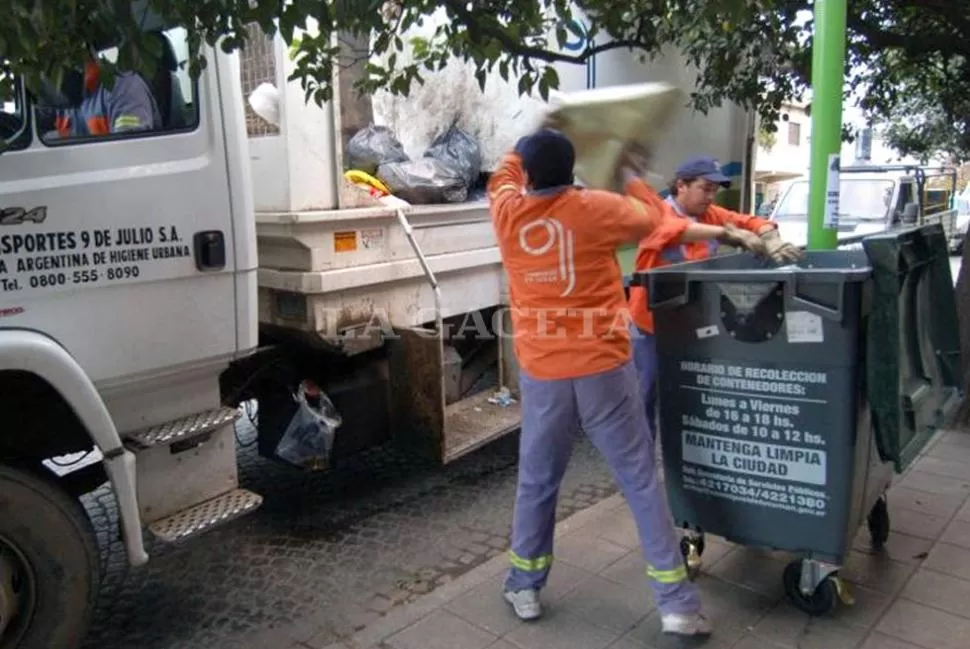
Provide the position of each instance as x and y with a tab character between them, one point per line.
49	564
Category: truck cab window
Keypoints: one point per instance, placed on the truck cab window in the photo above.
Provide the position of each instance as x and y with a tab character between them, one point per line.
11	112
137	105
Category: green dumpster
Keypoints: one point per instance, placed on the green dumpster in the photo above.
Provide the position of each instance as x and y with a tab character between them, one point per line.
788	396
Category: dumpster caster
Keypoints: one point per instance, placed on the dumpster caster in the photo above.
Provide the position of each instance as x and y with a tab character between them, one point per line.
692	548
813	587
878	522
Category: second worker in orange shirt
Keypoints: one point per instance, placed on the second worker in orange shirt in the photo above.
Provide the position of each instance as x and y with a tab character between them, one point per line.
690	202
558	245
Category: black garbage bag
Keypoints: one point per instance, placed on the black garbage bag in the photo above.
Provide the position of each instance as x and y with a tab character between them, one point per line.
459	149
425	181
373	146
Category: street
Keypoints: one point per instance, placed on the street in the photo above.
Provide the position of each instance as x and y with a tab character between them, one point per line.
342	547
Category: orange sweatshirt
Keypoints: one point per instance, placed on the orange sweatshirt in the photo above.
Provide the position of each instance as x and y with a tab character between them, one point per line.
661	248
558	247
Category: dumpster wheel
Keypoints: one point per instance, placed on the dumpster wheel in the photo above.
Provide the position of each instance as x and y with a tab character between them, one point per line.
878	523
823	600
692	549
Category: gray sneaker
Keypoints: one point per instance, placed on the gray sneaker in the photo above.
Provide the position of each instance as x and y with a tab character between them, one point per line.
525	603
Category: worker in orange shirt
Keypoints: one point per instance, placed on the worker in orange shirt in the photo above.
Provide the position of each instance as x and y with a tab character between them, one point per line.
558	245
691	201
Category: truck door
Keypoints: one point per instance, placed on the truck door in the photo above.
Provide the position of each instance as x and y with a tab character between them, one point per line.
119	245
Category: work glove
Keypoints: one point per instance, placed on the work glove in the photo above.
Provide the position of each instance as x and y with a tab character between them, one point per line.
633	163
739	238
780	252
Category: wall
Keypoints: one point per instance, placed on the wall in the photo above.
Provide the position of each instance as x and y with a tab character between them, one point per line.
787	155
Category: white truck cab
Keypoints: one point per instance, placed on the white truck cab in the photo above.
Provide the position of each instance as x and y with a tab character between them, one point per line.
128	276
871	199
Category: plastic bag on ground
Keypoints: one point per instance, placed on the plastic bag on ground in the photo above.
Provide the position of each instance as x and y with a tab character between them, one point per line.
373	146
309	436
426	181
459	149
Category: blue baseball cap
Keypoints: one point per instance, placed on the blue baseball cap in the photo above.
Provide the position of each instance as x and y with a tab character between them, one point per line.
704	167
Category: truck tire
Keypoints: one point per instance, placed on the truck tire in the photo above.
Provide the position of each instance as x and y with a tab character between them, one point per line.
49	564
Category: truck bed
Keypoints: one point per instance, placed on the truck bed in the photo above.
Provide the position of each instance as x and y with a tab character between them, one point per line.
327	270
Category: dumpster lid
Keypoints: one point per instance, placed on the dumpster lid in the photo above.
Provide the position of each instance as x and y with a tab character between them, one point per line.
822	266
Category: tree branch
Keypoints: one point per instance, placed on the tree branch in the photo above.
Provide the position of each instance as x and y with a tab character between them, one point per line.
511	46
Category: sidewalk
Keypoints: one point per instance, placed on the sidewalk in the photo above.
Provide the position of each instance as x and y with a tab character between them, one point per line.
916	594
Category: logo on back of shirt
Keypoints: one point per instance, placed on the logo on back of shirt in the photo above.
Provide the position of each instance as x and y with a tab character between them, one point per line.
549	235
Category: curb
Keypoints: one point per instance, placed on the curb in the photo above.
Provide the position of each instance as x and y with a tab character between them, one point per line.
404	616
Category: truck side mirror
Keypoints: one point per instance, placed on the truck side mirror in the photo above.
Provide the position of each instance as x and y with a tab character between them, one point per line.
910	213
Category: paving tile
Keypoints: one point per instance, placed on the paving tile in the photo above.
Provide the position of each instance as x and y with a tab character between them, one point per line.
589	552
958	533
916	523
441	630
964	513
608	605
959	439
949	559
950	447
925	502
878	640
924	626
936	484
618	527
754	642
627	643
562	631
484	607
752	569
876	572
951	467
940	591
782	625
900	547
845	627
869	606
501	644
563	577
732	609
629	571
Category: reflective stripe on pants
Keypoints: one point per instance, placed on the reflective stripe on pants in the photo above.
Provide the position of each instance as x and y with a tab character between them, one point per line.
610	408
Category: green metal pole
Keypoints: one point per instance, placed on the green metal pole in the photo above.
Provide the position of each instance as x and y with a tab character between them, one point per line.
828	64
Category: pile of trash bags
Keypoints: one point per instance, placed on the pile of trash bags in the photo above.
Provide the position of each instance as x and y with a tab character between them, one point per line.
445	173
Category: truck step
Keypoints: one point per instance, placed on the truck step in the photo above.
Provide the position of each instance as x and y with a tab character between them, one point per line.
475	421
206	515
183	428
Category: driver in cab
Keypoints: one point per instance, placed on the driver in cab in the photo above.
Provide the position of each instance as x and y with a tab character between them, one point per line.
127	106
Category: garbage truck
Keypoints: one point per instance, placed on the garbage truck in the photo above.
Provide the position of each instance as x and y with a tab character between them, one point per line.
155	280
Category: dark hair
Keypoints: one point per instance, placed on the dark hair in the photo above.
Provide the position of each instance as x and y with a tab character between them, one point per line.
548	158
672	188
551	168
